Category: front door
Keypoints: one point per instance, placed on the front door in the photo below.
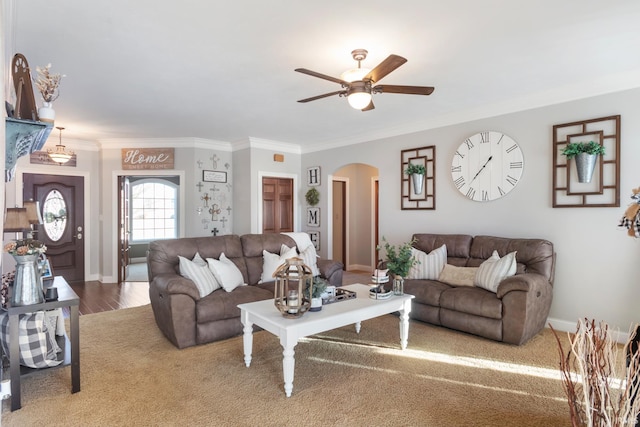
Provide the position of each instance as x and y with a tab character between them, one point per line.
61	201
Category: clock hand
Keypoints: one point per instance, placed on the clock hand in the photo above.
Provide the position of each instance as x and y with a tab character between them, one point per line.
481	169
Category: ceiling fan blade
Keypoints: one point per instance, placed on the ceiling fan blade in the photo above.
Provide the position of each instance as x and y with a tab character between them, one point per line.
410	90
313	98
369	107
322	76
385	67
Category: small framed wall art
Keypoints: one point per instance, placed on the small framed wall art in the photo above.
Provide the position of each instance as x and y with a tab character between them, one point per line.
214	176
313	217
313	176
315	239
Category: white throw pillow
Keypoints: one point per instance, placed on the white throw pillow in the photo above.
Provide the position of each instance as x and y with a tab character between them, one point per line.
271	262
226	272
428	266
458	276
494	270
198	271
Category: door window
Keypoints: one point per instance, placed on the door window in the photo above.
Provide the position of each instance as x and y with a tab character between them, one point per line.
54	214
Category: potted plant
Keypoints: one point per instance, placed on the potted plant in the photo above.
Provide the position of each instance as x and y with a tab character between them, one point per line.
417	173
319	286
399	262
585	154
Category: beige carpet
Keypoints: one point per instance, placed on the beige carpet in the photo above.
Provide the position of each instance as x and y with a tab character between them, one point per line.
132	376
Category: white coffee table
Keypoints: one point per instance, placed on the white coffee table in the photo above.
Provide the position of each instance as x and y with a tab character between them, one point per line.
332	316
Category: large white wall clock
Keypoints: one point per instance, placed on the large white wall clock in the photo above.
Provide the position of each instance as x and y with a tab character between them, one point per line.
487	166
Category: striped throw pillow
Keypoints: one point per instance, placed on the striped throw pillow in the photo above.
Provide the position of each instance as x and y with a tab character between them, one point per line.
428	266
198	271
494	270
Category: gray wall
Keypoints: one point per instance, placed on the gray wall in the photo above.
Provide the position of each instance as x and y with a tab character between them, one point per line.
596	261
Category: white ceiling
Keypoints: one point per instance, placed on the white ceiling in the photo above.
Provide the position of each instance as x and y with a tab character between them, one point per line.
223	70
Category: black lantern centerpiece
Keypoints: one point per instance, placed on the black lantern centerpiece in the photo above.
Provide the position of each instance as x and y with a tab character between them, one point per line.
292	279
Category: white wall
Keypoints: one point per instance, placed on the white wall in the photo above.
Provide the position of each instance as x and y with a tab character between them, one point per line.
595	275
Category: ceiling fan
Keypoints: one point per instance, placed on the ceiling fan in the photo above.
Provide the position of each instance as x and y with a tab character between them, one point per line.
358	84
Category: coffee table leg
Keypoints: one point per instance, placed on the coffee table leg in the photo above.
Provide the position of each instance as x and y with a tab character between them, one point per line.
358	325
404	324
247	338
288	365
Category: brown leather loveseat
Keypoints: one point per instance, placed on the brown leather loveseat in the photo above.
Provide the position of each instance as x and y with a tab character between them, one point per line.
518	309
182	315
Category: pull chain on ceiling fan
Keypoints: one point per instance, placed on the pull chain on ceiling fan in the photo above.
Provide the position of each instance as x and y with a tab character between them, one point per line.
358	83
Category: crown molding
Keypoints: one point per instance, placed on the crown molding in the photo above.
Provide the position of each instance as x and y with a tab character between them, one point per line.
188	142
267	144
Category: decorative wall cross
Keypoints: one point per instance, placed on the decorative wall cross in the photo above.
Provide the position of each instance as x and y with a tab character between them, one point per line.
224	222
215	231
214	161
199	162
214	211
199	185
206	199
229	210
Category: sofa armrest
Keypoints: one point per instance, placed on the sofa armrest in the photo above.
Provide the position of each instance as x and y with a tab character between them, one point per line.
331	270
527	282
175	284
526	302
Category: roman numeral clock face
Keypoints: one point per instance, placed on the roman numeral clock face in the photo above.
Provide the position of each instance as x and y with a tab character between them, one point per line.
487	166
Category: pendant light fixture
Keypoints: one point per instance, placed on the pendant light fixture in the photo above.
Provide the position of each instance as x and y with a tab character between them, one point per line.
60	154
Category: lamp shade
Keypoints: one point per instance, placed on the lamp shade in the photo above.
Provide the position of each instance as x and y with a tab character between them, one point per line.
33	212
16	220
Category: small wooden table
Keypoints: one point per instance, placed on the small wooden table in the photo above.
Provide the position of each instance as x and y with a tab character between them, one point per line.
71	345
332	316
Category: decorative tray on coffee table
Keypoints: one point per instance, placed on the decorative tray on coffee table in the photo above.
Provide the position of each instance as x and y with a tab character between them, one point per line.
341	295
375	293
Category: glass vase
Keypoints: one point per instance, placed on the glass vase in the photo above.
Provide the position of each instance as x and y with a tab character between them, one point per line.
398	285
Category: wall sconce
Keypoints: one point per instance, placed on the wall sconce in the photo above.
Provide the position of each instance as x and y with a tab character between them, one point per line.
60	154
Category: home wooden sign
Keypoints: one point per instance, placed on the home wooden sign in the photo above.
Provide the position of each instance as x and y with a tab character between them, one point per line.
148	158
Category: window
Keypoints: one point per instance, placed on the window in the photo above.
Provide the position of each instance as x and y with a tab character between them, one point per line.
153	215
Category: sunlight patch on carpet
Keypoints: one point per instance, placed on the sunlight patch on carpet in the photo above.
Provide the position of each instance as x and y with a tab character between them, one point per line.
432	378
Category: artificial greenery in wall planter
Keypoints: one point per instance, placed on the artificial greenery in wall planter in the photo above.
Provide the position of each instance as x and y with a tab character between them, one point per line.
585	155
312	196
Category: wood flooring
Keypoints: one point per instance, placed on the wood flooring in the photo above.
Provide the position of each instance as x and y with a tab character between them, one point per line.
96	297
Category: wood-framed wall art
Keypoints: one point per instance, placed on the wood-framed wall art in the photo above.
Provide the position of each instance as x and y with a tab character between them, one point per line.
426	198
604	188
313	176
315	239
214	176
313	217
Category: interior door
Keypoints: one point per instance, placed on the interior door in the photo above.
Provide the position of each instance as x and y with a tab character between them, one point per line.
277	205
61	201
123	225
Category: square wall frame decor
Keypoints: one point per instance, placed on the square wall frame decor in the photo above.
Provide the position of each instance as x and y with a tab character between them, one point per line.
604	188
315	239
412	197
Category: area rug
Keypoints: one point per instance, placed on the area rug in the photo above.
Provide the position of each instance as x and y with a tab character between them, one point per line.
132	376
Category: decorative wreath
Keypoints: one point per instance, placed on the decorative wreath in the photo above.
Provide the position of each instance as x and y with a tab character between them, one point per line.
312	197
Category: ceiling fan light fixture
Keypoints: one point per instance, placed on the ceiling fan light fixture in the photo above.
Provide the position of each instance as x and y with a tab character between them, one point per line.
354	74
359	100
359	95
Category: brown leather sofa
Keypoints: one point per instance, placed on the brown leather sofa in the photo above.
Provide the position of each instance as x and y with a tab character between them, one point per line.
514	314
184	317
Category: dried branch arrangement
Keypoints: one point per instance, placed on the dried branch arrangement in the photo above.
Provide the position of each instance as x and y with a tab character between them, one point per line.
48	83
599	392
